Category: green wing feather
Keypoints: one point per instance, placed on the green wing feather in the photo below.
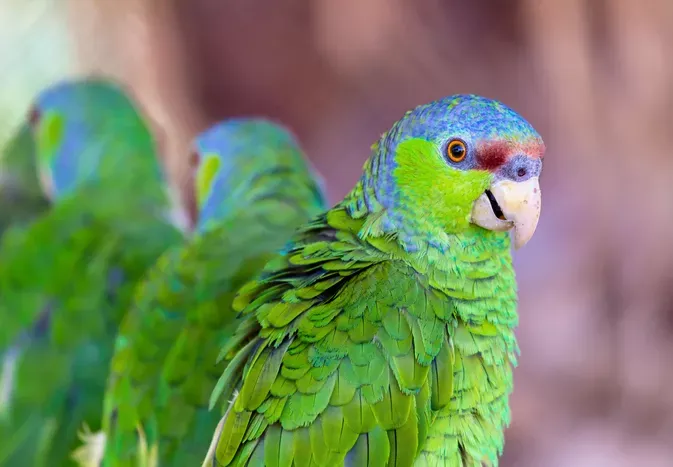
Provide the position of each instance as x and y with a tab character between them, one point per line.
350	354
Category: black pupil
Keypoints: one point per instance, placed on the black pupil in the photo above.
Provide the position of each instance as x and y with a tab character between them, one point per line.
521	172
457	150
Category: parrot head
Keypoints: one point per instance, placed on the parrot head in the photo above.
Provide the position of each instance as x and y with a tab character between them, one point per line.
460	162
86	130
239	160
90	132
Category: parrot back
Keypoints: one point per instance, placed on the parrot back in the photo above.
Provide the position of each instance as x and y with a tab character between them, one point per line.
65	283
164	368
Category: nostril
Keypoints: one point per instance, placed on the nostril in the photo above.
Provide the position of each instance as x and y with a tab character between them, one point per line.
521	172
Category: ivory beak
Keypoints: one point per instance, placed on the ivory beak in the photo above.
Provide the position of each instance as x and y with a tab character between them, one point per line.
47	184
520	203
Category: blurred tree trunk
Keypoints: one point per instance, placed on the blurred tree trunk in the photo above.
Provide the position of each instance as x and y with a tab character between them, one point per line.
135	42
132	41
35	49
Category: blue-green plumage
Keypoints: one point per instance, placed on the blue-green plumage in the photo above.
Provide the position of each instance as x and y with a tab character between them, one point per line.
65	146
239	170
67	278
253	187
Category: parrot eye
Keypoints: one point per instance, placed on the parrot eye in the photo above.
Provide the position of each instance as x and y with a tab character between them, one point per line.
34	116
194	159
456	150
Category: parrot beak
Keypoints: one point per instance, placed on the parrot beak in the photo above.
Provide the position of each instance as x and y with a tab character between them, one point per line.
177	214
508	204
47	184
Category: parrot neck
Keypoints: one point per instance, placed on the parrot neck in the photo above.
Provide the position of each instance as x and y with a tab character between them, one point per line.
473	267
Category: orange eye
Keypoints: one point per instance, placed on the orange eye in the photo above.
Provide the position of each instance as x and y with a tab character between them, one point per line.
456	150
34	116
194	160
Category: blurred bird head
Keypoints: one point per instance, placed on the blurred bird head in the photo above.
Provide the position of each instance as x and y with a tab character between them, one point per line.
90	132
241	161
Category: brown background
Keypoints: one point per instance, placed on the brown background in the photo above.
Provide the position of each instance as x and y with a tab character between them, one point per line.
595	386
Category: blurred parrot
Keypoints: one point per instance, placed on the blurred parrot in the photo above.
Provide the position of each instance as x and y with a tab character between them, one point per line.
253	188
383	333
67	278
21	197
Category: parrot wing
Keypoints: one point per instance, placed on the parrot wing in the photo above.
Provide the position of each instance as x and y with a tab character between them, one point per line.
253	188
164	367
344	353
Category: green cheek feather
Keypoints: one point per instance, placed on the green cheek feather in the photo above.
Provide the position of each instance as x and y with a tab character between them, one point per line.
205	177
49	138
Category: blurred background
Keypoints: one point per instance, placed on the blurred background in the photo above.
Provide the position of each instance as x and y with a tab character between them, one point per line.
595	382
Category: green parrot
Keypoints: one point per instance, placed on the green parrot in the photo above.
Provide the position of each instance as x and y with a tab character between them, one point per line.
67	278
253	188
21	197
383	333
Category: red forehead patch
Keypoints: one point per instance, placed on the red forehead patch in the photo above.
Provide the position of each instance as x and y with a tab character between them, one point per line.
493	154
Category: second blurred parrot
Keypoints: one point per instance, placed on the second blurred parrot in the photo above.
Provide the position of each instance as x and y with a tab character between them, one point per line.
67	278
253	188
